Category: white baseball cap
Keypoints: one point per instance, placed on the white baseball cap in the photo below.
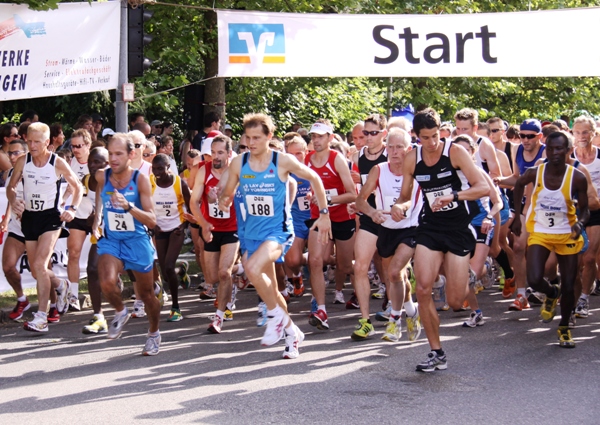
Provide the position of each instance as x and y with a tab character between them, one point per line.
107	132
320	128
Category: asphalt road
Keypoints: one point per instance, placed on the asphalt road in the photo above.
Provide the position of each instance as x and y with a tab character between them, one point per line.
510	370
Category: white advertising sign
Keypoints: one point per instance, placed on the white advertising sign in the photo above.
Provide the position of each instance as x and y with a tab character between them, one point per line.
257	44
59	257
73	49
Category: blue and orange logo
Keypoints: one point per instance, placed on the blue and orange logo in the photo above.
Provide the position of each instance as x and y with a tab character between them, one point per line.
256	43
16	24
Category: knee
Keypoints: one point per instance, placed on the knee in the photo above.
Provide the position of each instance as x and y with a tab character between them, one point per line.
224	275
423	291
74	253
361	266
455	302
589	259
315	261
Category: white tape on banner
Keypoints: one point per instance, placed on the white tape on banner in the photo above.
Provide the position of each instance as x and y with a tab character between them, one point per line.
259	44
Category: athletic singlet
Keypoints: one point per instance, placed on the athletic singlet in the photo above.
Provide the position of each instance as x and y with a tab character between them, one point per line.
41	186
222	221
88	199
145	168
168	204
301	206
508	152
333	186
480	162
14	224
365	165
524	165
80	169
119	224
552	211
482	205
440	180
593	168
388	189
266	201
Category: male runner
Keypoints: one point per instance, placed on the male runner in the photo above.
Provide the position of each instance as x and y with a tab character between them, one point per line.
263	175
553	225
41	216
444	234
124	202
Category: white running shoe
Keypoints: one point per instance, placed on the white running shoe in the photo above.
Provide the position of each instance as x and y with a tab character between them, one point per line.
152	346
38	324
393	331
116	326
139	310
476	319
413	325
292	343
339	298
74	303
261	319
275	328
62	297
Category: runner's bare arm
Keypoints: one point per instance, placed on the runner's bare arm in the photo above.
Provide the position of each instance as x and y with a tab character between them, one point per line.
146	215
361	200
404	201
74	184
226	195
17	205
341	167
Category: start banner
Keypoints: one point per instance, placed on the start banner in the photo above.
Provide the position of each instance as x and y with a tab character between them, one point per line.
519	44
73	49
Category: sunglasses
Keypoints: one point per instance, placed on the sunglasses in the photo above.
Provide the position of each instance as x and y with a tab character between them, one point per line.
77	146
243	147
137	145
148	155
495	130
372	133
527	136
15	135
15	153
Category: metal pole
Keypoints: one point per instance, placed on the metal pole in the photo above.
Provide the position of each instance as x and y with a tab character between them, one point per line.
120	106
389	97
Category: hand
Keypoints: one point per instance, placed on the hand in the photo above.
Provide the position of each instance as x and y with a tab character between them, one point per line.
351	208
96	232
189	217
497	181
355	177
379	217
323	223
310	197
67	215
207	233
515	227
398	213
576	230
486	226
441	202
18	207
119	201
3	225
224	204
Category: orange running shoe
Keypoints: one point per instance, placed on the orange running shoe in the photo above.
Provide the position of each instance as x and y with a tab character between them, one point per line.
509	288
520	303
298	286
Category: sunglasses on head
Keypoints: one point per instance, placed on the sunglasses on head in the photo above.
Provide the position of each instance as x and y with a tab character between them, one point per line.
372	133
495	130
527	136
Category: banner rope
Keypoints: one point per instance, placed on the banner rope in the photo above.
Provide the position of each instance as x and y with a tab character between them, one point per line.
177	88
136	3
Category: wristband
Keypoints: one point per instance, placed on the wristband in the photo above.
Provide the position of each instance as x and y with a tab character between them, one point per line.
455	193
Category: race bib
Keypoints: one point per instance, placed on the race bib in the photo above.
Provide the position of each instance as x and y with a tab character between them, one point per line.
166	210
260	206
39	202
120	222
552	219
303	204
431	197
215	212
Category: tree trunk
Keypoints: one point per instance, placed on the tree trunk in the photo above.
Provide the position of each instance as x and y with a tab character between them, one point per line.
214	94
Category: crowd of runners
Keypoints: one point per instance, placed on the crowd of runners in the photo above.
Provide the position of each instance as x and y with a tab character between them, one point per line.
430	212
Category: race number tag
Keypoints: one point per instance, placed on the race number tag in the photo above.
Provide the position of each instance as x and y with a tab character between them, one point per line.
552	219
215	212
39	202
260	206
303	204
389	202
166	210
431	197
120	222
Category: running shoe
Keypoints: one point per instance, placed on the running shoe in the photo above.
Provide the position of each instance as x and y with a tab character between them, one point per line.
488	278
413	326
116	326
439	294
534	297
175	315
319	319
548	310
464	307
20	308
433	362
476	319
275	328
596	290
216	325
62	297
313	305
330	274
520	303
261	319
53	316
243	282
509	287
364	329
393	331
339	298
582	310
159	292
564	337
298	286
292	342
152	346
209	294
184	278
352	303
384	316
139	310
38	324
572	320
501	279
96	326
228	316
380	294
231	304
472	279
74	303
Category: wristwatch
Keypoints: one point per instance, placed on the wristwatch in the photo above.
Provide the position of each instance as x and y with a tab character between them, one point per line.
490	218
324	211
130	207
328	197
71	207
455	193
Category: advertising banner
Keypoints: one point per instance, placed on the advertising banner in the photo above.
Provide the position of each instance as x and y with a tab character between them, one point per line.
73	49
519	44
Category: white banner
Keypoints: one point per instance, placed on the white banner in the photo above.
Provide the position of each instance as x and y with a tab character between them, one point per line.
59	257
556	43
73	49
